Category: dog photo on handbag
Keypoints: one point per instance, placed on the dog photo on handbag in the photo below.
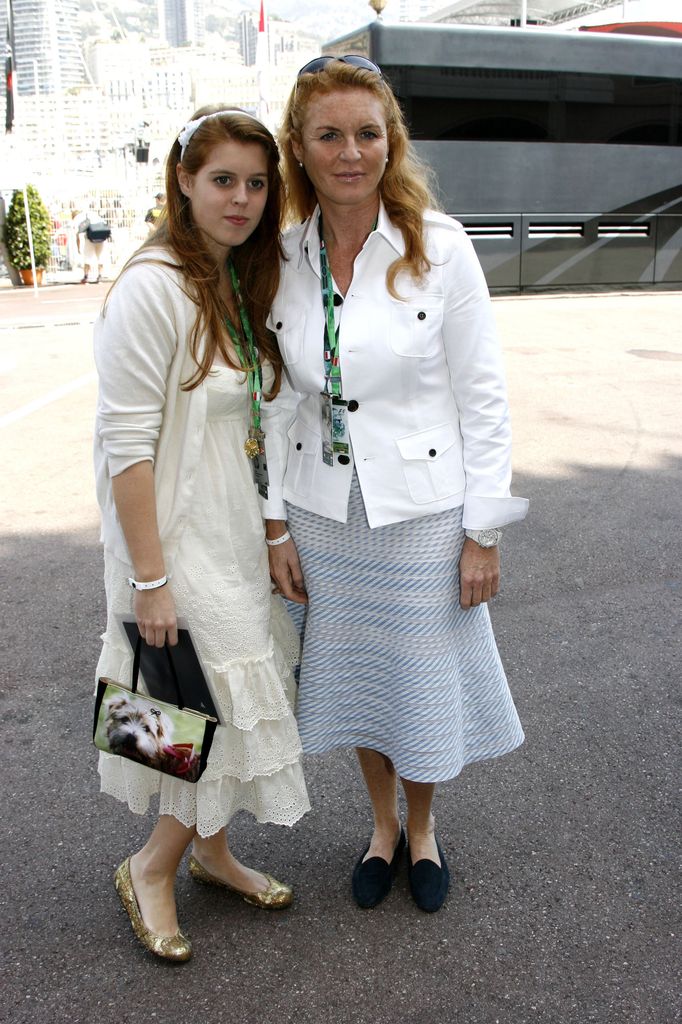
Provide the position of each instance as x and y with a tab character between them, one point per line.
148	731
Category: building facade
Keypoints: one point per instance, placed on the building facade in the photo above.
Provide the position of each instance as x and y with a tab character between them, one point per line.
182	22
46	45
414	10
287	45
508	13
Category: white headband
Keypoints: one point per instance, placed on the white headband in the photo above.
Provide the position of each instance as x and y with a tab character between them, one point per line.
191	126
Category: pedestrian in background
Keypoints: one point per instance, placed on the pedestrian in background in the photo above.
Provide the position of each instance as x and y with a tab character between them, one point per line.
394	470
93	234
153	215
184	361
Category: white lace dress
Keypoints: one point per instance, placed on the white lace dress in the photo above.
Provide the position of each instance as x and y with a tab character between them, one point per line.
245	639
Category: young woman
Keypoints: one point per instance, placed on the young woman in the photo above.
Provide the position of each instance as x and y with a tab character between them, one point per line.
395	467
181	525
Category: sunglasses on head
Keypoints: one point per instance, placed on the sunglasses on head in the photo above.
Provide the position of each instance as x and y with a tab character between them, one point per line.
313	66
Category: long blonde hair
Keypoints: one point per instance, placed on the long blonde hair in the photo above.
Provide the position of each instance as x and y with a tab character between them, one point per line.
257	260
406	187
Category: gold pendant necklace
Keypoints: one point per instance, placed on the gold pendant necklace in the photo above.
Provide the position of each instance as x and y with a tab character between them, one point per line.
254	444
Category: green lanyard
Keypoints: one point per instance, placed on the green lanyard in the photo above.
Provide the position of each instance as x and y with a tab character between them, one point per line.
332	369
254	371
332	366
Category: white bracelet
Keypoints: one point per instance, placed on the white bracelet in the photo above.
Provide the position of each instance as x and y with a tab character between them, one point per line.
152	585
278	540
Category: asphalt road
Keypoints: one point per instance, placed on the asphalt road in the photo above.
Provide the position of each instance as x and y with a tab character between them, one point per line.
565	855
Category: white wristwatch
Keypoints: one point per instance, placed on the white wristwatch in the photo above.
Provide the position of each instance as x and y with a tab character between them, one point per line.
485	538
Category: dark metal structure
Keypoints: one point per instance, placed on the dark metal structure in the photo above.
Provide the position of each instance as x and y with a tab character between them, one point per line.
561	153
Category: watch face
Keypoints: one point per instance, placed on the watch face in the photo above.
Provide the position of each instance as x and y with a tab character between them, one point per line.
488	538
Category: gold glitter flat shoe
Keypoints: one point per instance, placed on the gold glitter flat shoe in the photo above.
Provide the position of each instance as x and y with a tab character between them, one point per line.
169	947
277	896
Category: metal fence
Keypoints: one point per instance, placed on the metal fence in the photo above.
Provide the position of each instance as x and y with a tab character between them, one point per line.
123	212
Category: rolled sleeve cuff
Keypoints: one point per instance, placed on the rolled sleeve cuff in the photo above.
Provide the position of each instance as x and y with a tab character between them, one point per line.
487	513
274	506
119	463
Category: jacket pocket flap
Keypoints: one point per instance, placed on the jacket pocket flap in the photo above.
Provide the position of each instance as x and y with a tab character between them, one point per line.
304	439
288	324
427	444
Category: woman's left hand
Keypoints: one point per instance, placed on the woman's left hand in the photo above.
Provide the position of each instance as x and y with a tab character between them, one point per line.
479	574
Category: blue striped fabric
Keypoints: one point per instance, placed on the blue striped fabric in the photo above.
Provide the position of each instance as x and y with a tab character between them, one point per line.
390	660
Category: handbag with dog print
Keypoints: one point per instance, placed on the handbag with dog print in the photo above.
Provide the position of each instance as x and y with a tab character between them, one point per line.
171	739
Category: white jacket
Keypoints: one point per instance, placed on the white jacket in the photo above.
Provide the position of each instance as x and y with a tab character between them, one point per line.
431	428
142	357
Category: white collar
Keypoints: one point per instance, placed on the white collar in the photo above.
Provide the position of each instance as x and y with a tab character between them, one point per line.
390	232
310	239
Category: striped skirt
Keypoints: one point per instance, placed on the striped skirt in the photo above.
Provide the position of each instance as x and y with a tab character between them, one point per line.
390	660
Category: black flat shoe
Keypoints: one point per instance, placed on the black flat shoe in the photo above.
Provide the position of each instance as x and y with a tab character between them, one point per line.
429	883
372	879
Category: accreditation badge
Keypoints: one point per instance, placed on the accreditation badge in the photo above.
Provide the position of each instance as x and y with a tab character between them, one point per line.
335	439
259	466
327	439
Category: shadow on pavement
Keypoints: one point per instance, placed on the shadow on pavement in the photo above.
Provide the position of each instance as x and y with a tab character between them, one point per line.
563	907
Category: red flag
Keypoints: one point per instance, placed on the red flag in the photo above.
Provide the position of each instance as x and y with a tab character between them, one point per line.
9	70
262	61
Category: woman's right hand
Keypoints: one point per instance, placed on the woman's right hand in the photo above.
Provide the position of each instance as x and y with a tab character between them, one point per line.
156	616
285	572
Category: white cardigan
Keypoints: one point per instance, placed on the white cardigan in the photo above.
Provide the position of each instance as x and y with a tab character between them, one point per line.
430	424
142	357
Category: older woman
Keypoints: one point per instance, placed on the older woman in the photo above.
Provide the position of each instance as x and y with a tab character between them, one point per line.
392	479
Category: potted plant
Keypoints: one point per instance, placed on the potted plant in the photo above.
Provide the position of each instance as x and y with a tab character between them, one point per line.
16	234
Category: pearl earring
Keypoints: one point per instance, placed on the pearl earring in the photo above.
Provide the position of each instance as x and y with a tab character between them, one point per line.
300	164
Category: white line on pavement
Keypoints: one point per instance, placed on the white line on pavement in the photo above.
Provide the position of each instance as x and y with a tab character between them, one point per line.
61	302
51	396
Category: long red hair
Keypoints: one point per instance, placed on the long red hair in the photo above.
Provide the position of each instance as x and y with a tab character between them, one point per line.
407	187
257	260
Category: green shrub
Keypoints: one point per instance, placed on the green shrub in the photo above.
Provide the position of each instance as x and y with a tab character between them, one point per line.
16	232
